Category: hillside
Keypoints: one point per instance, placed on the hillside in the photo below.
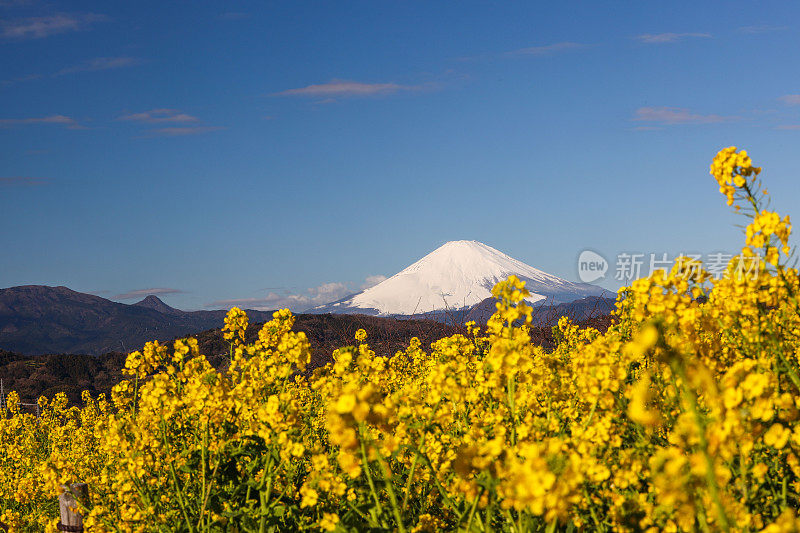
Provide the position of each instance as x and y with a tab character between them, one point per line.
545	314
35	375
36	319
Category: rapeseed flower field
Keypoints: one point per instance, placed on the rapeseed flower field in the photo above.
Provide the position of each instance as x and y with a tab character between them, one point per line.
683	416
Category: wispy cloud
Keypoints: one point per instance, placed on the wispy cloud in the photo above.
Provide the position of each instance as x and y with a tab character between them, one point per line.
675	115
371	281
761	28
545	50
529	51
788	127
23	181
183	131
89	65
20	79
141	293
175	123
160	116
100	63
346	88
62	120
660	38
323	294
790	99
259	304
41	27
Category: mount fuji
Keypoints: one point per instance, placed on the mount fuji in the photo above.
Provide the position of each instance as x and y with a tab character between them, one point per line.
456	276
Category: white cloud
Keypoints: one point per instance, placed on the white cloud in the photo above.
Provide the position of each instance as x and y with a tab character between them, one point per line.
547	49
20	79
183	131
661	38
174	123
141	293
790	99
159	116
371	281
63	120
302	301
347	88
761	28
100	63
40	27
23	181
675	115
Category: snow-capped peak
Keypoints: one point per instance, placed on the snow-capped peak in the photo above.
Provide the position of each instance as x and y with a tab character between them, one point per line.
457	275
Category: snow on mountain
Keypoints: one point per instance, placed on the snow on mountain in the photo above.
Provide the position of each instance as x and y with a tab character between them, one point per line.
457	275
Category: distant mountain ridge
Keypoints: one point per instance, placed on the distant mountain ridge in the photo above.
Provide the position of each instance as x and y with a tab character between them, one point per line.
38	319
546	314
456	276
452	284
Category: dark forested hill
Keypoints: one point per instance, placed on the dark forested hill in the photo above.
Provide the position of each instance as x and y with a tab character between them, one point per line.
546	314
36	319
35	375
53	339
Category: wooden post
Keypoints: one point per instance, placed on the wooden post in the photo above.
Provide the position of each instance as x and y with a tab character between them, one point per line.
71	519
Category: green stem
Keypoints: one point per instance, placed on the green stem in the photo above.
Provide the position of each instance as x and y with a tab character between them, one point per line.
711	478
359	513
416	456
135	393
511	394
203	450
597	524
438	485
369	476
490	513
174	475
262	522
387	475
263	497
591	414
207	491
472	509
792	374
510	519
411	476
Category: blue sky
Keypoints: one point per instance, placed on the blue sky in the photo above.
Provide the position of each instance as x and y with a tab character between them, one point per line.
287	153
